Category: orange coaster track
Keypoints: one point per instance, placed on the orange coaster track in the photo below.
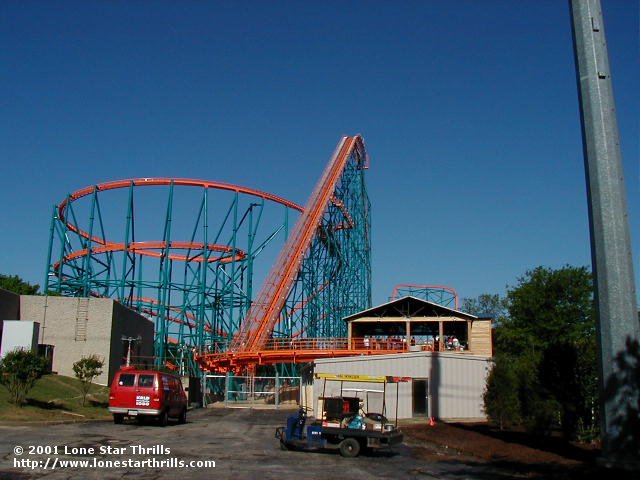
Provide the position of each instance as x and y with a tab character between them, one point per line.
250	345
291	350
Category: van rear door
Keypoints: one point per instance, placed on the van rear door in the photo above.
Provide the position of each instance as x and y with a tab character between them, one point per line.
147	391
123	390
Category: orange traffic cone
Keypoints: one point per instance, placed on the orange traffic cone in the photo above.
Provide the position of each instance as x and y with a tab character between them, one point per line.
432	422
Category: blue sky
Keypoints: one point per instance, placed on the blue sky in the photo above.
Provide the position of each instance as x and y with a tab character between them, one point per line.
469	111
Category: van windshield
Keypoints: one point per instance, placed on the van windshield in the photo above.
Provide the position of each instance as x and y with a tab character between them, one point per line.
126	379
145	380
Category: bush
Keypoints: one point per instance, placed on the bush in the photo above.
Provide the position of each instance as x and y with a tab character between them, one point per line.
86	370
19	370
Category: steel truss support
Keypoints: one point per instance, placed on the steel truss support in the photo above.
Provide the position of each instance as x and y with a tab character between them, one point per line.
442	295
334	280
197	289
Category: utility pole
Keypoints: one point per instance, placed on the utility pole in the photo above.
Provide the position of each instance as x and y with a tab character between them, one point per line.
129	341
617	312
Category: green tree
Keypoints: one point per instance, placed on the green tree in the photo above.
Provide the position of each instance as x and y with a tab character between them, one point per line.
550	335
15	284
501	399
19	370
486	305
553	305
86	370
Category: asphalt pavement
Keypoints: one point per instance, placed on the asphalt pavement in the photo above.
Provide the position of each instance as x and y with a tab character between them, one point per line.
215	443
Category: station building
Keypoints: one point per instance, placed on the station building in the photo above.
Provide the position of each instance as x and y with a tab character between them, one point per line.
441	377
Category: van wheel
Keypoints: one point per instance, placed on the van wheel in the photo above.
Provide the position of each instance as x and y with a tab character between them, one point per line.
163	418
118	418
183	416
349	448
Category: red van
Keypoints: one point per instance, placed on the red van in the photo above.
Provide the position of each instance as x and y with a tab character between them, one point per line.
137	393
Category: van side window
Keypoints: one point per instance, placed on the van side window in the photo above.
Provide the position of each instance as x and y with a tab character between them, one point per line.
145	380
126	379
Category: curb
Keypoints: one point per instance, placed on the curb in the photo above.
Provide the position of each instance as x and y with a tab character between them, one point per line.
51	422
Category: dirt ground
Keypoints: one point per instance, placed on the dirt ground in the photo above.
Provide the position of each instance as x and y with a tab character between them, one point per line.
513	454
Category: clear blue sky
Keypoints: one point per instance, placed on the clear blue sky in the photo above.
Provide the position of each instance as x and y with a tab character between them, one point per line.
469	111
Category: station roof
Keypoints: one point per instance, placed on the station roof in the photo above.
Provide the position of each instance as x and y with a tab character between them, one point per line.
410	307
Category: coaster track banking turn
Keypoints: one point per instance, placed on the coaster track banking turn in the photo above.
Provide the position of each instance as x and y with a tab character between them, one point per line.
204	303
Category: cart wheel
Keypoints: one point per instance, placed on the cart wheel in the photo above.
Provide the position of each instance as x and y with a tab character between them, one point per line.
283	445
349	448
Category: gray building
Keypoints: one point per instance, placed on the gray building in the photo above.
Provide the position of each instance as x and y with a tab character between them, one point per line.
77	327
445	385
443	356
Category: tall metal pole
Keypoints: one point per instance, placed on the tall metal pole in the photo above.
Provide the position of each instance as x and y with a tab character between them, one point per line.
617	311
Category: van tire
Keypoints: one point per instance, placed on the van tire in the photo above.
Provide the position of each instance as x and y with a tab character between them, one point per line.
163	418
118	418
183	416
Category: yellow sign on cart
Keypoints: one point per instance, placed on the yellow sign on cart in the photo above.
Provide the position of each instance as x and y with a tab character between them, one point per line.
345	377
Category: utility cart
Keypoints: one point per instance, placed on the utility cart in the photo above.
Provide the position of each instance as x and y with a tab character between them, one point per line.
344	424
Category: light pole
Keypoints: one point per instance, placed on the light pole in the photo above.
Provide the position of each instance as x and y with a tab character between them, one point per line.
615	297
129	341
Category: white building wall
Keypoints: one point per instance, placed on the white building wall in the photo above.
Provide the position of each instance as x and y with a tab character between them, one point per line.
17	335
456	382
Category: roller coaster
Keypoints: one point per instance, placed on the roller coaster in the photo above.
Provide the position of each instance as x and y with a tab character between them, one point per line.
440	294
199	288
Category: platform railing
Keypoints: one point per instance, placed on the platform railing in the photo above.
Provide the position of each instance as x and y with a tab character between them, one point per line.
333	343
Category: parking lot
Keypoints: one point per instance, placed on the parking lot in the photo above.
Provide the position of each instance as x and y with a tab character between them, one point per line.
240	442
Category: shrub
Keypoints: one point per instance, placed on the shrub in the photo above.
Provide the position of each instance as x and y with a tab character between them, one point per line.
86	370
19	370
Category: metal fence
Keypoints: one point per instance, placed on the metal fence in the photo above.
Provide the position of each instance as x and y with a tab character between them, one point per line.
252	392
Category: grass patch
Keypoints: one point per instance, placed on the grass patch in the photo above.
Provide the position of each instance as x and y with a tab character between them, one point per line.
56	398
